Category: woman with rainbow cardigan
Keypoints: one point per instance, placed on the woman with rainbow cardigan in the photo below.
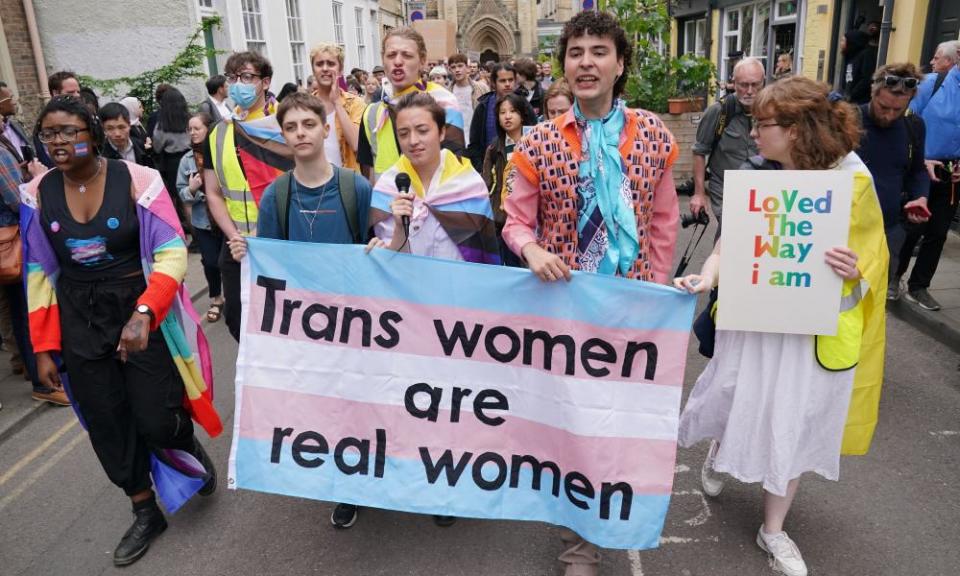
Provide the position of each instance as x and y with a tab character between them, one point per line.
105	260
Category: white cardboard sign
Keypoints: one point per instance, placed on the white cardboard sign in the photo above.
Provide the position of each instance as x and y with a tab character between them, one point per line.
777	227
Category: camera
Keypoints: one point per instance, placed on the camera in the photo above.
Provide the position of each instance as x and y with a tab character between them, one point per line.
688	220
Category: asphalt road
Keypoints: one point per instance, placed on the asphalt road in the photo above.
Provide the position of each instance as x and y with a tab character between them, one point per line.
894	512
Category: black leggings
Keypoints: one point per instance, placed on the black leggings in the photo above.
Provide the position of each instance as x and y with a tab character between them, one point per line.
210	242
230	272
128	407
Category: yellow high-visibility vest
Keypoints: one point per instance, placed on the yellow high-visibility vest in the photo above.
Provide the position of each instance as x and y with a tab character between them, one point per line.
233	184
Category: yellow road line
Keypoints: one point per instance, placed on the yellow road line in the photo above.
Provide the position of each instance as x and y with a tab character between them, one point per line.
6	500
37	451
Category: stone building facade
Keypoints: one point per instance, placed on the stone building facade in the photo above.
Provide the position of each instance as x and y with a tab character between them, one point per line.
493	28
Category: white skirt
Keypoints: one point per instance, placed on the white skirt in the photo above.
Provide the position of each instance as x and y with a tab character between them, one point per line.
776	412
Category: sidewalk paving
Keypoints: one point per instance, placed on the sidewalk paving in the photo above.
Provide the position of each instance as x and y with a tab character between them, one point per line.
19	408
943	325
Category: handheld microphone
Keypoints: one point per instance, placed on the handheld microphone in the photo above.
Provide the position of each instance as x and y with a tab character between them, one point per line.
403	186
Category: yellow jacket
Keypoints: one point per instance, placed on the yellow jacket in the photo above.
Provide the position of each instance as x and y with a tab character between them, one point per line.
868	240
354	105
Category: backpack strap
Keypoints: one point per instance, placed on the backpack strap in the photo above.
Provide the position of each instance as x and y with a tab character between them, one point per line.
282	188
728	109
941	76
348	198
913	124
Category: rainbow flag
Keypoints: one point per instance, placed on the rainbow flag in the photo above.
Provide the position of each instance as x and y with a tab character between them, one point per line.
442	387
163	254
263	152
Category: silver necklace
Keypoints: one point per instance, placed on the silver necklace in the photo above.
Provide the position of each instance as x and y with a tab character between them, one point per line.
310	216
82	187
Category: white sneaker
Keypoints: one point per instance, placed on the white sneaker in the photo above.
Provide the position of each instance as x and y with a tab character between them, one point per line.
785	555
710	480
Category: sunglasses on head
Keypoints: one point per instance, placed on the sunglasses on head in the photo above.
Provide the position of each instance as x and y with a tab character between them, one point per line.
891	81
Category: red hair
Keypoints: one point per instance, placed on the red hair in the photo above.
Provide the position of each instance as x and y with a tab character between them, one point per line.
827	129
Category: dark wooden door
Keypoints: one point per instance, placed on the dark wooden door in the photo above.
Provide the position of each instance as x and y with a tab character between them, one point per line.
943	24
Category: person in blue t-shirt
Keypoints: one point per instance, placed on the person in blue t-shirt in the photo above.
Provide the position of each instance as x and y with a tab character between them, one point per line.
314	199
311	202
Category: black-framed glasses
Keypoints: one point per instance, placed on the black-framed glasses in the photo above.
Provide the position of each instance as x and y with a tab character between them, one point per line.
891	81
758	124
244	78
66	133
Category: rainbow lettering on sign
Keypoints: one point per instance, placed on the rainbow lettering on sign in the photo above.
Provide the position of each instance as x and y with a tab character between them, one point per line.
787	226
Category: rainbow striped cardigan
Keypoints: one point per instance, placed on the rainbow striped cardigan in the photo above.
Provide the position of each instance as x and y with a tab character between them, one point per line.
163	254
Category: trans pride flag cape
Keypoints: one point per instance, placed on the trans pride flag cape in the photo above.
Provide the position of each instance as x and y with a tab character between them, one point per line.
179	475
460	203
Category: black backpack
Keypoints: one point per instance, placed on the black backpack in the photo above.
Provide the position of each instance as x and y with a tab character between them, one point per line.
348	199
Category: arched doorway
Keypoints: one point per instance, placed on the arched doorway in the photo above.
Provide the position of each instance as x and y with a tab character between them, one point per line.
488	56
490	36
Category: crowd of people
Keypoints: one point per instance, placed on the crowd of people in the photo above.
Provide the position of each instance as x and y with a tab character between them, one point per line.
569	178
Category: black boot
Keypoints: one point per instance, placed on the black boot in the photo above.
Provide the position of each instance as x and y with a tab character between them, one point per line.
204	458
148	523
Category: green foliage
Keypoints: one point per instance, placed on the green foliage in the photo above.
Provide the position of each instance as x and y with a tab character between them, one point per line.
654	76
692	76
188	63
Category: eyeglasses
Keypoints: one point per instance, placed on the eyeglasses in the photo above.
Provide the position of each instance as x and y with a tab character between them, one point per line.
245	78
758	124
749	85
891	81
66	133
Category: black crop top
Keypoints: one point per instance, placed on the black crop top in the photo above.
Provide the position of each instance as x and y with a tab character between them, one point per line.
106	247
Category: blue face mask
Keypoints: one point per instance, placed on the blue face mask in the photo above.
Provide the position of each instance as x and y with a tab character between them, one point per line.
244	95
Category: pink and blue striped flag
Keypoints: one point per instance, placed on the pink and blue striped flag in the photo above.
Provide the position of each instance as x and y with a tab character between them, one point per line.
440	387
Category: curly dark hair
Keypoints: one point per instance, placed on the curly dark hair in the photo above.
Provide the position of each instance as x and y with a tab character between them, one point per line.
238	60
603	24
74	107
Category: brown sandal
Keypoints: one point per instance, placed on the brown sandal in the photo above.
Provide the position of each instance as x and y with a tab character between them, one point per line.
214	312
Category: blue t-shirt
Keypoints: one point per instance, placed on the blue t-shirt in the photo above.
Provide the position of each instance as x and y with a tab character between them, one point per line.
316	214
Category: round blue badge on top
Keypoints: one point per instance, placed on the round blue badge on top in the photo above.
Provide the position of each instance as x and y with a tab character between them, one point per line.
113	223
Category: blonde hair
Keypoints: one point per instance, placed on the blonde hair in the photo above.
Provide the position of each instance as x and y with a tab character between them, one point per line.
330	47
407	33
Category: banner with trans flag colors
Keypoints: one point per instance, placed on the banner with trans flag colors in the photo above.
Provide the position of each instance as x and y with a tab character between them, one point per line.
440	387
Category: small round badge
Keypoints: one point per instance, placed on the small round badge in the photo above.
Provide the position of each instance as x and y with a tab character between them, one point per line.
113	223
54	227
